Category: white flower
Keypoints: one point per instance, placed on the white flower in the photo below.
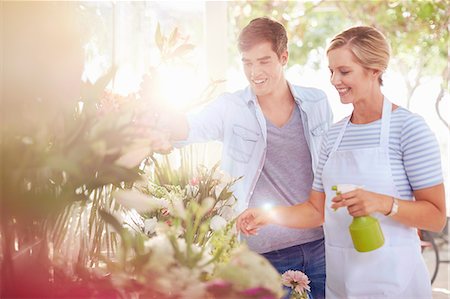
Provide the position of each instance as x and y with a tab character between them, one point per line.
207	204
150	225
217	223
134	199
228	213
162	228
182	282
162	253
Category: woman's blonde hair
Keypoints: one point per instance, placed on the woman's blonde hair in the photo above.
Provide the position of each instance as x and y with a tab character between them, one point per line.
368	45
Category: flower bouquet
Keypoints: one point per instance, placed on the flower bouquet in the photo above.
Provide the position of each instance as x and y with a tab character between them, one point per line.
183	244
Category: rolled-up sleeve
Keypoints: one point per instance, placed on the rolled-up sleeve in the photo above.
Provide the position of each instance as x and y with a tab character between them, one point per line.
206	124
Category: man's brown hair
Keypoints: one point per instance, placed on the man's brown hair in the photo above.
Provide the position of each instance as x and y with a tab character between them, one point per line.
263	30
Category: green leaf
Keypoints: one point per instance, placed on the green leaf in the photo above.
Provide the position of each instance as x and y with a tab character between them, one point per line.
159	39
111	220
173	37
92	92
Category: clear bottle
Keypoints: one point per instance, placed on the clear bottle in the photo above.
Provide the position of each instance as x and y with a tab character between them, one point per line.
365	231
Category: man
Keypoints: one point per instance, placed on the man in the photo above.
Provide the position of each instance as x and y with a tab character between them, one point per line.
271	133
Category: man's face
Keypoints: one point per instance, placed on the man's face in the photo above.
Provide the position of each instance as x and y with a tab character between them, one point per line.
263	68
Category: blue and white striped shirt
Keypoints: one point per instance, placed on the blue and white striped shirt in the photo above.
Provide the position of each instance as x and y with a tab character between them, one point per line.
413	150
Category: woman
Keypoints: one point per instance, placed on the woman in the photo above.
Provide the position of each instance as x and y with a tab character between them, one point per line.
389	151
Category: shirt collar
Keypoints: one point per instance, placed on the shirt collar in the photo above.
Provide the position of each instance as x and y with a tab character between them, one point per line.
250	96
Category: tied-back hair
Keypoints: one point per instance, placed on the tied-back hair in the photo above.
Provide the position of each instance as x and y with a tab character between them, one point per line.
368	45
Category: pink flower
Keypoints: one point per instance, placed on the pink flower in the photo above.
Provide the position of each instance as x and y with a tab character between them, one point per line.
194	181
297	280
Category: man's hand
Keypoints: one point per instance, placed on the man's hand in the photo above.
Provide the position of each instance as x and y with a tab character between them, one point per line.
146	125
251	220
160	142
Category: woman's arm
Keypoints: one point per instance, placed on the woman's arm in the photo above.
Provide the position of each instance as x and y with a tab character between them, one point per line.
424	176
427	212
305	215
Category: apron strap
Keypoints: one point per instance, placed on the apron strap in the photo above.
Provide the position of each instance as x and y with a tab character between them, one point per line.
385	126
385	123
341	134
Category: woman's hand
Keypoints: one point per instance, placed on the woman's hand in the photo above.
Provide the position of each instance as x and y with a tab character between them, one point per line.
251	220
360	202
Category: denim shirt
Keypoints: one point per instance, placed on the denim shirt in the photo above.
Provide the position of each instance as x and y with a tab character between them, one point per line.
237	120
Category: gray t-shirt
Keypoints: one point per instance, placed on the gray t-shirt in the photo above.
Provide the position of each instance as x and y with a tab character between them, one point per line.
286	179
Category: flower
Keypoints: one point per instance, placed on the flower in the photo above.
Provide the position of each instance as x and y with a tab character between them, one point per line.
150	225
181	282
298	282
194	181
217	223
228	213
219	288
162	253
241	269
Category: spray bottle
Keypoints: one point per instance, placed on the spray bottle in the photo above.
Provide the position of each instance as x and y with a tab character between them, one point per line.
365	231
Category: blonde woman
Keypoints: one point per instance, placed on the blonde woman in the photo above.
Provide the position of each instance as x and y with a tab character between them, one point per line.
394	155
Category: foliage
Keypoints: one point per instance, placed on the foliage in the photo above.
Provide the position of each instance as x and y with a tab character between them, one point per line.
307	25
186	241
62	150
75	153
417	32
414	28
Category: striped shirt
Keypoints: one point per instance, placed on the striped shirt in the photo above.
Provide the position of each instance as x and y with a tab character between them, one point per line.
413	150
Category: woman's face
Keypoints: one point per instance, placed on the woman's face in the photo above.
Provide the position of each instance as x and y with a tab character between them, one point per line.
352	81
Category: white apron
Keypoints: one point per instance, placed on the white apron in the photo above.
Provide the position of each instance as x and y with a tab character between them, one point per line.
397	269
